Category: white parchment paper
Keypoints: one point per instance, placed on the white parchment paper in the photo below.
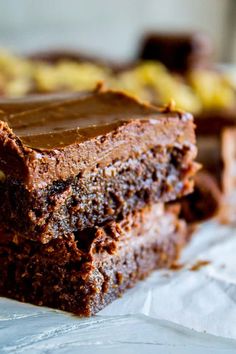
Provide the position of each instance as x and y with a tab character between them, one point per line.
202	300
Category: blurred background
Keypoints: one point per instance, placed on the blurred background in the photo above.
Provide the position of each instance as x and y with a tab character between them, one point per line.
112	28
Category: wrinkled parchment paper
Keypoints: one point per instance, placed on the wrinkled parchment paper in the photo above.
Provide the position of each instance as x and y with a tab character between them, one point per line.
161	311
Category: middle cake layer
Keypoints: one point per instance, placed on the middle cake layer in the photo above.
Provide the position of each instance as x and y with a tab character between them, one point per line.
69	165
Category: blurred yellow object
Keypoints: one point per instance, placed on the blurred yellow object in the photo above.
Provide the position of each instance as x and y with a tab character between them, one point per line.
166	86
67	75
14	66
18	87
151	81
213	89
129	82
15	74
148	80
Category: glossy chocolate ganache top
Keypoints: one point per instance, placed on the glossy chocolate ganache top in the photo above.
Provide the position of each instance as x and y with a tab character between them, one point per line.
58	136
56	121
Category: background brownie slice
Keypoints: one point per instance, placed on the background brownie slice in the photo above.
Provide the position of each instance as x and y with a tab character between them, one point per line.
228	140
84	274
204	202
179	52
72	164
200	205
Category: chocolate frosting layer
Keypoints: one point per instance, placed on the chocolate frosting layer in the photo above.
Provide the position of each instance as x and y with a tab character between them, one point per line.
58	123
57	136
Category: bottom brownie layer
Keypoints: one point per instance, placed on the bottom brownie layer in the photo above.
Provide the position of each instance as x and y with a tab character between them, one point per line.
84	276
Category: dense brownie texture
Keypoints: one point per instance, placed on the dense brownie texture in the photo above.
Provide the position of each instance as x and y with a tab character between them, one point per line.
86	272
179	52
71	164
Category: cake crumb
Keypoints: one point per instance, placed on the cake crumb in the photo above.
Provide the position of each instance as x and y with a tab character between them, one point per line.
177	266
199	264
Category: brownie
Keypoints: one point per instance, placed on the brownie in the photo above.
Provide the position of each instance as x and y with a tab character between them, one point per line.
179	52
212	122
228	140
228	174
82	274
208	134
56	56
204	202
72	164
53	56
209	128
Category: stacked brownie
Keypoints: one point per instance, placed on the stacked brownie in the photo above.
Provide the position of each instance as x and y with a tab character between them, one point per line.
84	184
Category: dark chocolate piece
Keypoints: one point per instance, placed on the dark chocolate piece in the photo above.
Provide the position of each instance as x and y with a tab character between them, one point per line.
85	274
179	52
73	164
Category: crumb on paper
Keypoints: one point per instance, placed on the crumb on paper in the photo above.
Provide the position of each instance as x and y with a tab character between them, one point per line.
199	264
177	266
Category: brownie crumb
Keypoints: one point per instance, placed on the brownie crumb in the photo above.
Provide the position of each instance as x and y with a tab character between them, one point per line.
199	264
177	266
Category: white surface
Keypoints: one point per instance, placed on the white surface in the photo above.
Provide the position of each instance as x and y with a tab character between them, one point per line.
171	312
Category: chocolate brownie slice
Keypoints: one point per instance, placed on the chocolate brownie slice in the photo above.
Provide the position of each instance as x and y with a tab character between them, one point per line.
229	160
179	52
204	202
84	273
75	163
